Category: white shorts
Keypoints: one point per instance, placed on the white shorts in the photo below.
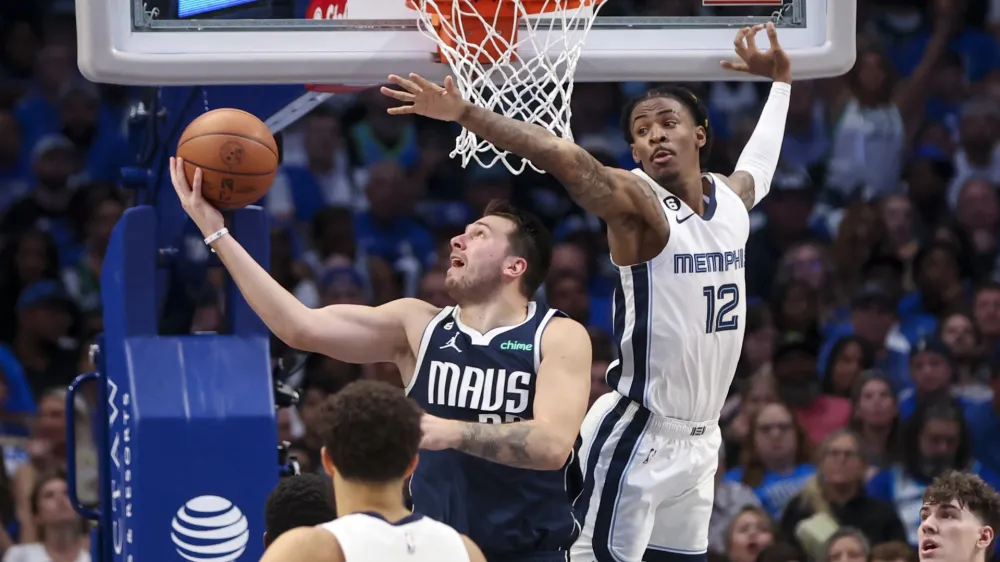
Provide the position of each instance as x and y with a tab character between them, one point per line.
648	485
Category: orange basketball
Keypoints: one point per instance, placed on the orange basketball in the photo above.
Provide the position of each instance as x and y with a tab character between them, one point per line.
236	153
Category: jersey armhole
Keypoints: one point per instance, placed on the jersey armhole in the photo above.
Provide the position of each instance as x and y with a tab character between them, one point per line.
539	331
425	340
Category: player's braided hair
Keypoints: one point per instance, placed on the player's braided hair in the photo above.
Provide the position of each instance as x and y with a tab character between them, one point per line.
699	113
303	500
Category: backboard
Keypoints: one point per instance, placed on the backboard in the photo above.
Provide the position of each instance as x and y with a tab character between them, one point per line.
360	42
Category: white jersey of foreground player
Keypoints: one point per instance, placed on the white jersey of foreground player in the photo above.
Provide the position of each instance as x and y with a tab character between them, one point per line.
680	317
365	537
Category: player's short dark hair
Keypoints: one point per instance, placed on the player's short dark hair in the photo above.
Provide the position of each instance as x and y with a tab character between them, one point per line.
970	492
371	431
303	500
699	113
529	240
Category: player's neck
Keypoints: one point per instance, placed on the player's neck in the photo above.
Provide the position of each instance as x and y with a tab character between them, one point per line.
384	499
499	312
691	189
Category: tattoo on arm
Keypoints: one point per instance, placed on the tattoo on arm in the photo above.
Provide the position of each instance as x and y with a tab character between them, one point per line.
743	184
586	179
503	443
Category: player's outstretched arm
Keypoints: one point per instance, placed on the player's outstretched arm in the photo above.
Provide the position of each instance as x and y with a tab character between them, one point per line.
562	390
350	333
759	159
305	544
608	193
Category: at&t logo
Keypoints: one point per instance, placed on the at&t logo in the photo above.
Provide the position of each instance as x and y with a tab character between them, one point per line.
210	529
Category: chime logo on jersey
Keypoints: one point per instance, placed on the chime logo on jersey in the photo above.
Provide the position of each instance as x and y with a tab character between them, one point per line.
487	390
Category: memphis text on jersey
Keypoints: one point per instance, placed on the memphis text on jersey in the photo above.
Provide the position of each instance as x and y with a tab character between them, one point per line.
709	262
500	396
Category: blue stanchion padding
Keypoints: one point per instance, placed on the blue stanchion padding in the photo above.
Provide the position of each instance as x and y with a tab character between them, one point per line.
191	432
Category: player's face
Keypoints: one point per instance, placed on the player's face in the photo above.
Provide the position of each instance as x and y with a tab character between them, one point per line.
949	532
665	138
480	259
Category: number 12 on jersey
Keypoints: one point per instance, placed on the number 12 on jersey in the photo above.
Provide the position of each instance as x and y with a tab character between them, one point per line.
720	302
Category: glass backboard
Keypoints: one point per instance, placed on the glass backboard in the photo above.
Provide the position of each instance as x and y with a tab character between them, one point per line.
360	42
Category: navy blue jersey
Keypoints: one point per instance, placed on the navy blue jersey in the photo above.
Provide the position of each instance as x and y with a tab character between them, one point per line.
511	513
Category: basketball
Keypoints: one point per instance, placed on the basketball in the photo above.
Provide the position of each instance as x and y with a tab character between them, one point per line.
236	153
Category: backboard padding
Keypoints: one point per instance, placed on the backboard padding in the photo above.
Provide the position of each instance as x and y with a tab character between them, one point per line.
357	52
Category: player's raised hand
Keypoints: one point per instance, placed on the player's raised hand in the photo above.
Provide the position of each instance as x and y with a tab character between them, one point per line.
773	63
208	219
426	98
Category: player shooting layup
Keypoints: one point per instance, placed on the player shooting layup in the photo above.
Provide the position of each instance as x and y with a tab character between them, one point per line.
650	448
495	358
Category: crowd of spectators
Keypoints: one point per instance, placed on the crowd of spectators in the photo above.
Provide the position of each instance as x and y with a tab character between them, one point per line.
871	361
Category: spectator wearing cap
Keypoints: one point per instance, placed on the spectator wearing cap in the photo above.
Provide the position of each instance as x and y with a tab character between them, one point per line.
932	374
873	319
794	366
983	419
341	285
786	212
45	314
47	206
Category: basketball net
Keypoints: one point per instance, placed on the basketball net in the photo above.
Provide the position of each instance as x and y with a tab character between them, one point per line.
524	73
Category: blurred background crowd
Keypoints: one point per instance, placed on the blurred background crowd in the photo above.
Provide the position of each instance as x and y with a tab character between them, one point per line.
871	361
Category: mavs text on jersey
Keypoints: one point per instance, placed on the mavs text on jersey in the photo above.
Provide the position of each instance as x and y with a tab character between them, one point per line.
650	448
512	513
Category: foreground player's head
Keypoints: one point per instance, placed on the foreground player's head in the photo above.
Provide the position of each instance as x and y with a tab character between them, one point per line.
303	500
958	520
668	131
507	249
372	433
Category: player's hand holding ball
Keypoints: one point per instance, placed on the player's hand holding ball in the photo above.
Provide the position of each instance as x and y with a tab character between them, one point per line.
773	63
426	98
208	219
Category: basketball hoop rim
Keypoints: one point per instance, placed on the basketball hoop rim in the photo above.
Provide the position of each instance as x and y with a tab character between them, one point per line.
514	8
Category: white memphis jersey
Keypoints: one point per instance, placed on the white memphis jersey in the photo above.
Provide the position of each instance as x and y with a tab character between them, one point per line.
679	318
368	537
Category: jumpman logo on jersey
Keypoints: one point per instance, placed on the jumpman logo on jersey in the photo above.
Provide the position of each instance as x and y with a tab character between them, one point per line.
452	343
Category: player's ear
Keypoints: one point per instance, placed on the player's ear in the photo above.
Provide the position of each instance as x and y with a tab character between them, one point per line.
986	536
517	266
635	155
324	459
267	541
412	466
701	136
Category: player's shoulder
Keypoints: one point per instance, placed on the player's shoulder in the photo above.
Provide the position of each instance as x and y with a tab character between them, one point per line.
413	313
563	331
475	554
305	544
